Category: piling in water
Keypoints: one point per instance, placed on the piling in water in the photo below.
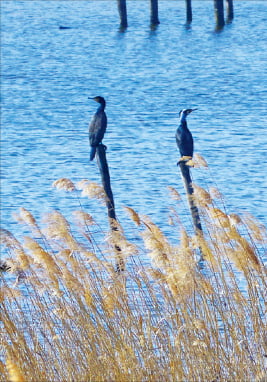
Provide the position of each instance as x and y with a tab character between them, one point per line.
219	14
230	10
185	171
123	13
105	177
154	13
189	16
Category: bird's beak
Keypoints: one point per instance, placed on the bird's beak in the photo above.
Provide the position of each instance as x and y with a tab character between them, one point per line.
192	110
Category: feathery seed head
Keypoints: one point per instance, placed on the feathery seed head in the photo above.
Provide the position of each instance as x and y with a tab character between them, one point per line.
27	217
9	294
215	193
117	239
23	259
83	217
82	183
198	241
8	239
44	259
257	229
134	215
201	196
174	193
57	226
249	253
199	161
219	217
94	191
64	184
184	239
234	219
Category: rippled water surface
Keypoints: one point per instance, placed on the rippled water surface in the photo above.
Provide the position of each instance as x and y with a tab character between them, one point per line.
146	77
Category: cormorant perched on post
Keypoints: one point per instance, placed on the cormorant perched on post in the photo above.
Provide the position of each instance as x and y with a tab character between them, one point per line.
183	136
97	126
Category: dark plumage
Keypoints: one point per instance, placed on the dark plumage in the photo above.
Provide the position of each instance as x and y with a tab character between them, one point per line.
97	127
183	136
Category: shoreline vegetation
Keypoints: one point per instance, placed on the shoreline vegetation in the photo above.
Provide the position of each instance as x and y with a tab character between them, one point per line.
67	315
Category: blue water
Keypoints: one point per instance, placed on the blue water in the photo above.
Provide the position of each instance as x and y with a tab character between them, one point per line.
146	77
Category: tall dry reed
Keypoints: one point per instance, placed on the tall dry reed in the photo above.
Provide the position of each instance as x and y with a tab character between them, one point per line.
66	315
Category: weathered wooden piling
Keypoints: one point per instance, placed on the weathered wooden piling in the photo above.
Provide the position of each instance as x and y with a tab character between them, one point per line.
185	171
105	177
219	14
123	13
154	13
229	10
189	16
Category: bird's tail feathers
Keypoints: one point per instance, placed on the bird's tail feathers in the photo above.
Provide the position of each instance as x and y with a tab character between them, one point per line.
92	153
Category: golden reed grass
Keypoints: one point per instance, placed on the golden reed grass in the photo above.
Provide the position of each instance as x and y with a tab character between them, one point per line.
67	315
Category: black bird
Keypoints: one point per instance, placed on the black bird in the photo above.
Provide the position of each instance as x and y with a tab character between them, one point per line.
98	125
183	135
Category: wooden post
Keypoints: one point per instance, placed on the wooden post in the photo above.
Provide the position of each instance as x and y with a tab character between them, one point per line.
185	171
105	177
230	10
219	14
188	11
123	13
154	13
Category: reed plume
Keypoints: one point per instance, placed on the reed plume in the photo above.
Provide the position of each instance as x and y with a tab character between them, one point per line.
68	315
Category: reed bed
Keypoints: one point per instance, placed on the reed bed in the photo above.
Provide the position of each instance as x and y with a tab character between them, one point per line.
67	315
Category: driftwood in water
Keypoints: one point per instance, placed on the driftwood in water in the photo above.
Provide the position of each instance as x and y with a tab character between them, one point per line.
219	13
105	177
123	13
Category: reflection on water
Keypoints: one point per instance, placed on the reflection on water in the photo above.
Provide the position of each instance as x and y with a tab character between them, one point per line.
147	77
